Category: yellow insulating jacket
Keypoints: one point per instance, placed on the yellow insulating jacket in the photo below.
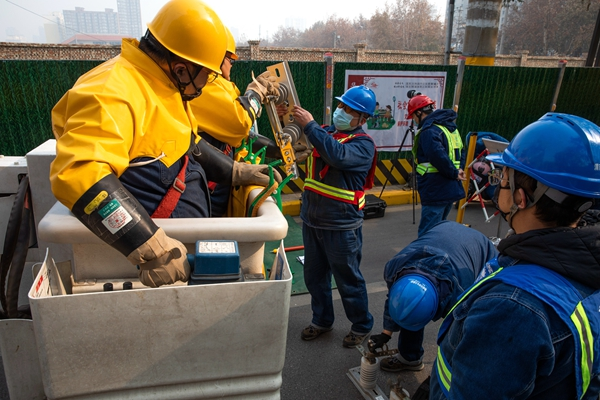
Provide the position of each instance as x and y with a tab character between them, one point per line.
219	113
123	109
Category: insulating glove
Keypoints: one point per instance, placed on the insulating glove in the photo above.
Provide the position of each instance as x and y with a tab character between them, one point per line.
302	152
264	85
162	260
377	341
252	174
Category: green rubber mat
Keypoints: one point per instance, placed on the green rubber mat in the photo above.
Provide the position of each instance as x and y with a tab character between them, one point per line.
293	238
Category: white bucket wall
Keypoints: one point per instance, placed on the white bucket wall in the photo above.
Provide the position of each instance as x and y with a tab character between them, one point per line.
178	342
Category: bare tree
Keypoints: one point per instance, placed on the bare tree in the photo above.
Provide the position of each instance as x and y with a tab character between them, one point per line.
416	25
382	32
335	32
286	37
406	25
550	27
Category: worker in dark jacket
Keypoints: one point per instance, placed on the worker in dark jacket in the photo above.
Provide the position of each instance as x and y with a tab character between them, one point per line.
424	281
437	150
338	172
531	330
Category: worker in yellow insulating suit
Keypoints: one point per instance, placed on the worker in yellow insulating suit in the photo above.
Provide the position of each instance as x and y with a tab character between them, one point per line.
127	144
225	118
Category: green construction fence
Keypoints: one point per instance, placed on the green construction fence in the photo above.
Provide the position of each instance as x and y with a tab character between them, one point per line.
497	99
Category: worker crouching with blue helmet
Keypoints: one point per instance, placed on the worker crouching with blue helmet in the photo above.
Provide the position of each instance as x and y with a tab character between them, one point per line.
424	280
531	330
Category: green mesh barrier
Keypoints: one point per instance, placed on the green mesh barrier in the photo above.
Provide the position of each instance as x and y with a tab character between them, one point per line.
504	100
309	79
579	93
497	99
28	92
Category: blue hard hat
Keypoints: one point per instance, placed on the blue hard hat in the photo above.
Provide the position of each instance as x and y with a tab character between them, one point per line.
359	98
562	151
413	301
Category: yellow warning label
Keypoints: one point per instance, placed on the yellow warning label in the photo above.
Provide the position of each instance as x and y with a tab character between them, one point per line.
92	205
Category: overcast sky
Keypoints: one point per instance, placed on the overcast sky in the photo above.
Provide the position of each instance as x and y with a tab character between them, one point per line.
254	19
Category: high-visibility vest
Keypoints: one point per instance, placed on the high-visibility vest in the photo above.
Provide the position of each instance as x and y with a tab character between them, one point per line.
455	146
356	197
578	313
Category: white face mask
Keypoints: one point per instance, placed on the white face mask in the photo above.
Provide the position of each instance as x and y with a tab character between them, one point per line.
342	120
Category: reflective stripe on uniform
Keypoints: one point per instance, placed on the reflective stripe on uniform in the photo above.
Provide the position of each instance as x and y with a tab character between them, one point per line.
444	369
342	194
455	146
356	197
444	372
586	339
579	314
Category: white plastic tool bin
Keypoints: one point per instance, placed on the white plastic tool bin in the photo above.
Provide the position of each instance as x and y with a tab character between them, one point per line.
223	340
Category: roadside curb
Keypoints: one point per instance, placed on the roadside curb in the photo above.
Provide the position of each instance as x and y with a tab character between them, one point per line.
393	195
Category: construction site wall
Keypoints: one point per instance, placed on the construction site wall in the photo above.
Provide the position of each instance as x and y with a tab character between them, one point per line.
497	99
253	51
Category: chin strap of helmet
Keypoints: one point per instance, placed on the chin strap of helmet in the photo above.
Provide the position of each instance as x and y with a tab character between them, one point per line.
529	200
182	86
540	190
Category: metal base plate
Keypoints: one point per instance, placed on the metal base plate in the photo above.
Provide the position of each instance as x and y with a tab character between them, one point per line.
371	394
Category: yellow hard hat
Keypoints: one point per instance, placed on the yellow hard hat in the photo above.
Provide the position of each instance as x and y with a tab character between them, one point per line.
191	30
231	44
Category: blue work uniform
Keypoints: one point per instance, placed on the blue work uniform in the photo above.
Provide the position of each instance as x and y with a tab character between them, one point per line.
332	228
452	256
440	189
505	340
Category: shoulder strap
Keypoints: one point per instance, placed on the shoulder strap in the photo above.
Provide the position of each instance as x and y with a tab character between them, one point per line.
169	202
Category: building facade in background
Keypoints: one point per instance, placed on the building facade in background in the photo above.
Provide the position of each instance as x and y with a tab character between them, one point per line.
79	26
79	21
130	18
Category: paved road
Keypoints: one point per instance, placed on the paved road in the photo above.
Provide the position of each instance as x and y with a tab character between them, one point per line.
317	369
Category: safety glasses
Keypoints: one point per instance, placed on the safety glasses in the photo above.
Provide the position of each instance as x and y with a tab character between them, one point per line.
349	110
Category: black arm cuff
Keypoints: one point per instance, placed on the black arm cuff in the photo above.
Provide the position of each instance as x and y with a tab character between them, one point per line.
251	103
217	166
114	215
273	150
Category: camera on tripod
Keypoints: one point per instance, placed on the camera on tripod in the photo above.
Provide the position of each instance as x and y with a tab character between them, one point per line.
413	93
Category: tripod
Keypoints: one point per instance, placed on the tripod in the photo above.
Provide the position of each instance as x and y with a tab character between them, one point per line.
413	177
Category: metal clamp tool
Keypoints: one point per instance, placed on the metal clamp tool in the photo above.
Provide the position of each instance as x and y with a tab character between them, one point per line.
286	131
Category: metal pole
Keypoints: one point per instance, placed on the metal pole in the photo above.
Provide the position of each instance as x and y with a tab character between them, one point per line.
459	80
410	129
449	23
413	176
470	155
562	64
328	96
594	44
481	31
